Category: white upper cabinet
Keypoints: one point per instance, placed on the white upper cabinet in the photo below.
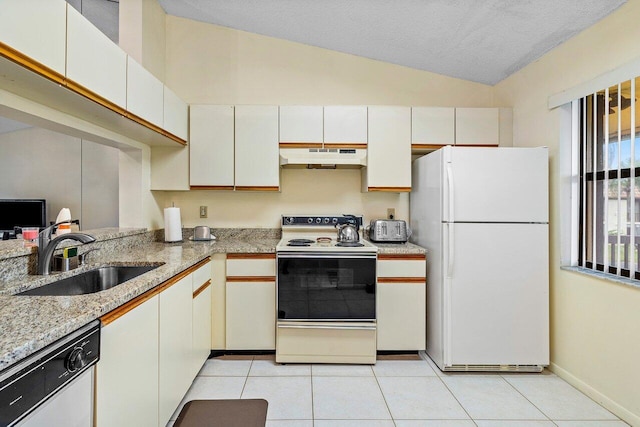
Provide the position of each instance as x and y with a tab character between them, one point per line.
37	29
345	125
145	93
211	146
477	126
176	114
432	127
389	150
94	61
257	157
301	124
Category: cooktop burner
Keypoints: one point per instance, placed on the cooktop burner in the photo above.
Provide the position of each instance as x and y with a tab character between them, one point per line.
349	244
300	242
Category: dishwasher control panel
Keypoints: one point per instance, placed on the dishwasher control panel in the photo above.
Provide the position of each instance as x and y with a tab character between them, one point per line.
30	382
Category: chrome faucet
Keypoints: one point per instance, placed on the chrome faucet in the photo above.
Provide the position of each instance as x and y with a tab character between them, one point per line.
47	245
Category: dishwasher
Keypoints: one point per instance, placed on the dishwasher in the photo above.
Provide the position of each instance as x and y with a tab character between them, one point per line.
54	386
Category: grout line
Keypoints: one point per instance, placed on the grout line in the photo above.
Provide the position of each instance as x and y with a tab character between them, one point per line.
375	377
246	378
527	399
457	400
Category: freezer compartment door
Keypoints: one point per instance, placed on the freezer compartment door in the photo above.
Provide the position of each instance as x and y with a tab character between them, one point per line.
496	294
495	184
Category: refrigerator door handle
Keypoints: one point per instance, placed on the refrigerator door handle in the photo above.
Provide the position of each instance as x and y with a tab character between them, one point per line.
451	250
450	192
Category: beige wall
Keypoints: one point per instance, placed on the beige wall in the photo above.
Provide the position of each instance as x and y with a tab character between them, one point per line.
207	64
595	336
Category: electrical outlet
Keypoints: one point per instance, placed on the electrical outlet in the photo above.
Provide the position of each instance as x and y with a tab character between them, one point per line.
391	213
203	212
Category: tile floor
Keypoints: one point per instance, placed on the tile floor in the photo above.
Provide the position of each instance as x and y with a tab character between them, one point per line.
397	393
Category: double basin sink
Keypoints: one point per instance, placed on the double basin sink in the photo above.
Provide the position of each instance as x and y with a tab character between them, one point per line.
92	281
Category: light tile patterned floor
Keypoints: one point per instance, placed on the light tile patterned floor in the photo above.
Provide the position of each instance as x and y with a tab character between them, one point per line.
397	393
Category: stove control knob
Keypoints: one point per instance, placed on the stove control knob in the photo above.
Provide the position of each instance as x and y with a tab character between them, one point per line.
318	220
310	220
334	220
326	220
76	360
289	220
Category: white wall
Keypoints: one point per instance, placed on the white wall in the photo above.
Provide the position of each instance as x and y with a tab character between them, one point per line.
208	64
595	332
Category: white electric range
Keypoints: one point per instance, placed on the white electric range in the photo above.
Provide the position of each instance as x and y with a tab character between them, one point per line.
326	292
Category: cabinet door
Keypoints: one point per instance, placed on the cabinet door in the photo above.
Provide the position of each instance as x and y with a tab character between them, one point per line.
401	316
175	347
169	168
389	150
201	316
477	126
211	147
94	61
145	93
176	114
251	315
301	125
37	29
127	373
257	157
432	127
345	126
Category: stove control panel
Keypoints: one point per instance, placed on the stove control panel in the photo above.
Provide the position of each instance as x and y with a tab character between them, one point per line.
320	220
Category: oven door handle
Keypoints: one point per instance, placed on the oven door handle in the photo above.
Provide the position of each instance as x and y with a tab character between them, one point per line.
302	255
350	327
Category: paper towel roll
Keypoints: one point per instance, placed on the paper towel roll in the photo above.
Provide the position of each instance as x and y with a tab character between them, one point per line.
172	225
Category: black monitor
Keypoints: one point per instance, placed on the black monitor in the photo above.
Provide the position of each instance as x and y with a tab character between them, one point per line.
22	213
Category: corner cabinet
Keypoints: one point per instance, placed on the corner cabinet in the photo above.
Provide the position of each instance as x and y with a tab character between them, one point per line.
478	126
150	351
401	300
251	302
389	150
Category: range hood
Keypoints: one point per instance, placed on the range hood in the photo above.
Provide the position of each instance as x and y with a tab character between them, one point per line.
323	158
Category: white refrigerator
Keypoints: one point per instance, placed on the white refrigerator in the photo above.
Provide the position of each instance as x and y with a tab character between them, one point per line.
483	216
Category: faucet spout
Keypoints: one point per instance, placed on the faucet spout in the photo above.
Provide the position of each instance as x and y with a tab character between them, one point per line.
46	246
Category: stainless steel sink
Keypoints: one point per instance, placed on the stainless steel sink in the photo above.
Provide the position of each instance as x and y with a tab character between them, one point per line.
91	281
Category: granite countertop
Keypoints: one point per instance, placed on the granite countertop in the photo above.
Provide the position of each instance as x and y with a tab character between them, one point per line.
29	323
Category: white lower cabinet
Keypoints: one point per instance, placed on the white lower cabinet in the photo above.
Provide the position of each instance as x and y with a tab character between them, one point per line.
175	347
401	302
201	316
251	302
127	373
151	350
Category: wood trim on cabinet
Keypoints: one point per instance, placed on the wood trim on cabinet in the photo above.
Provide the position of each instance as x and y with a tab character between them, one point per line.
211	187
402	280
425	146
391	189
24	61
130	305
251	278
300	144
265	188
356	145
396	257
202	288
251	256
46	72
477	145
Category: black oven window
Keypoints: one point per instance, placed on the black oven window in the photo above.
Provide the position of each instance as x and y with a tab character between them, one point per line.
326	288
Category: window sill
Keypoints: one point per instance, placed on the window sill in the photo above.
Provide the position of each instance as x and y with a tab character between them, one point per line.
604	276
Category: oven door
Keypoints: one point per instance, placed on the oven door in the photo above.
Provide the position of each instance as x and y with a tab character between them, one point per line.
326	286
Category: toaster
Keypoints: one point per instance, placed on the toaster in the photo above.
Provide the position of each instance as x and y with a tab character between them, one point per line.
388	230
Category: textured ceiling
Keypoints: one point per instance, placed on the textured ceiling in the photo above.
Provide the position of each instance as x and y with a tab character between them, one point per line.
479	40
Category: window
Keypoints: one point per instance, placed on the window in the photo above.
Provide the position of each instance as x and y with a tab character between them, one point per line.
609	184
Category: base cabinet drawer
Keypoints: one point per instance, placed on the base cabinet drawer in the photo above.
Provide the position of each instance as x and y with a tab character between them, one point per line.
353	343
